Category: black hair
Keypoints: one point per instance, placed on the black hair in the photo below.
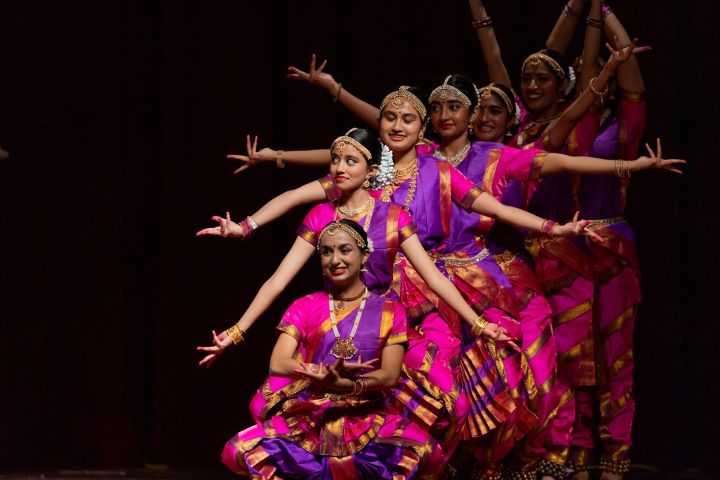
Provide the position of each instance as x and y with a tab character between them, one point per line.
369	140
561	60
462	83
422	96
356	228
510	95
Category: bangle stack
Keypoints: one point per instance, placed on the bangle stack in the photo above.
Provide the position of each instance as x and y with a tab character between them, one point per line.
479	326
593	22
359	386
279	162
337	94
622	168
248	227
547	227
236	334
479	23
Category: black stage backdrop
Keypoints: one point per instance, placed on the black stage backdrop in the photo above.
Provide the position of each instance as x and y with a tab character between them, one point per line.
118	114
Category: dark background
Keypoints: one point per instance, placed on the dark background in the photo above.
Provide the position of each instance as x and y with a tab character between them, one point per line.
117	115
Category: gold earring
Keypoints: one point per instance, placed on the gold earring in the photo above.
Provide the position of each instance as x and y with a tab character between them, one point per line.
366	183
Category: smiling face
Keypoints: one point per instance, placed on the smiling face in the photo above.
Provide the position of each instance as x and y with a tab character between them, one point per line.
400	126
493	120
341	258
349	168
539	87
450	118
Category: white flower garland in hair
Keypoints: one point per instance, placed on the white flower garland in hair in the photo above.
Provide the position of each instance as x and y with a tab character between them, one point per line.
571	81
370	245
384	176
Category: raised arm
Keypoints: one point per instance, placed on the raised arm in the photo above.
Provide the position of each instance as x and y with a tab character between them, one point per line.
366	112
564	28
558	132
630	78
299	253
444	288
591	46
312	192
482	24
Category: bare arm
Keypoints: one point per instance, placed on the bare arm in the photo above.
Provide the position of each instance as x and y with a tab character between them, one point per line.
591	46
282	363
366	112
629	76
311	192
558	132
444	288
280	157
560	163
490	46
564	28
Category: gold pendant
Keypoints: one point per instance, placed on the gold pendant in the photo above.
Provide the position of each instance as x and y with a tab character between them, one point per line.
344	348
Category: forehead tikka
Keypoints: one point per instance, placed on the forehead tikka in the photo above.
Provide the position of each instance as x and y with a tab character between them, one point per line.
448	92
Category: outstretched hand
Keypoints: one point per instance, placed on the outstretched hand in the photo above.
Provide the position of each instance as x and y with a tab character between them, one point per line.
655	160
219	344
226	228
316	76
254	156
500	334
622	54
575	228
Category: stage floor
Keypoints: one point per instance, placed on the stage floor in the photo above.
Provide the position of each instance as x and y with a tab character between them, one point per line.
637	473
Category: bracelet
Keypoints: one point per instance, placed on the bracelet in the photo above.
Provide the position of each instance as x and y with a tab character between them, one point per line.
547	227
236	334
595	91
592	22
568	12
481	23
606	10
279	162
337	94
246	228
622	168
479	326
251	222
359	386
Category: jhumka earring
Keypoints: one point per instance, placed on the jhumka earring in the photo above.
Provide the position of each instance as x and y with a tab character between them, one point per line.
366	184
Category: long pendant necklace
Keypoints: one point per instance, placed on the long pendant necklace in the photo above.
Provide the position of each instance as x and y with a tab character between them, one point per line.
455	159
344	347
399	176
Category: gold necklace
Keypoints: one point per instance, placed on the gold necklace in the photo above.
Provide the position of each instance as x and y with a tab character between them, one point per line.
411	172
533	127
371	208
344	347
455	159
351	212
339	305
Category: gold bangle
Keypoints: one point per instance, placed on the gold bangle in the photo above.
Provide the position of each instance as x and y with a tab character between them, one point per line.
479	326
592	88
236	334
337	94
279	162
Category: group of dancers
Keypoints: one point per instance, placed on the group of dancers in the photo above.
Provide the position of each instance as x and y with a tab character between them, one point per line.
470	326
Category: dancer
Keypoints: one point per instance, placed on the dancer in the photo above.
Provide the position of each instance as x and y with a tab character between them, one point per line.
612	130
328	417
430	388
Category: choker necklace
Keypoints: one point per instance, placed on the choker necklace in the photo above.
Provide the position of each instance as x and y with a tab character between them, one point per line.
533	128
351	212
341	303
455	159
344	347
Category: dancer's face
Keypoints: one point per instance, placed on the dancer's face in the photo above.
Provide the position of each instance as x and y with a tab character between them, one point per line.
400	127
450	118
341	258
539	87
493	119
349	168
